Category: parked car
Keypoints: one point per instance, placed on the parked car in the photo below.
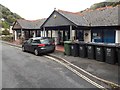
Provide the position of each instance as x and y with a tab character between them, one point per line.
39	45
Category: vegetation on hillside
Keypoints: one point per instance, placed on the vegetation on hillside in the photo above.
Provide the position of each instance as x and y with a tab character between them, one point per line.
105	3
8	17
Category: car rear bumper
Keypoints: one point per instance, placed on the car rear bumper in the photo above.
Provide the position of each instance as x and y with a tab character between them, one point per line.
46	50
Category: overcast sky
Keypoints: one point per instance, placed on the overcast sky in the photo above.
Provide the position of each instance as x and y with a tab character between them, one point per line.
37	9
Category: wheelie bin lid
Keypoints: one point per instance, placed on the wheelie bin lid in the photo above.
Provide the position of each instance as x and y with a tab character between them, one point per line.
91	43
103	44
118	45
82	43
99	44
69	42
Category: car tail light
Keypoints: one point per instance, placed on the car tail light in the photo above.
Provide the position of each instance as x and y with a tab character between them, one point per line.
41	45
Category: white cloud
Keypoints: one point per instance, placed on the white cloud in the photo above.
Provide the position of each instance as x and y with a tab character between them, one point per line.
36	9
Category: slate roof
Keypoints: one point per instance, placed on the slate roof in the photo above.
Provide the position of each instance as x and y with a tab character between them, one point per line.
107	16
76	18
27	24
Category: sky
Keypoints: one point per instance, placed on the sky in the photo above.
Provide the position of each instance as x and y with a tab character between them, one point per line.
37	9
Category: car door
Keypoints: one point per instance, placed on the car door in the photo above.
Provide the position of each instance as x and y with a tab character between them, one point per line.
34	44
28	45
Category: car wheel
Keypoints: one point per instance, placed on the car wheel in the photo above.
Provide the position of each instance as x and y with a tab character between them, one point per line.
23	49
36	52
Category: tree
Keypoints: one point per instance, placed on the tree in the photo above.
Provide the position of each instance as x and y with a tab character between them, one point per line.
9	16
5	25
105	3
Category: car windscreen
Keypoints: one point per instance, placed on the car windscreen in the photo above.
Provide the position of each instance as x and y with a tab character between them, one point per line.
45	41
36	41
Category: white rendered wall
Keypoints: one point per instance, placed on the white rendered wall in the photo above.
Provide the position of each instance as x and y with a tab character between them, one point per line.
117	38
87	38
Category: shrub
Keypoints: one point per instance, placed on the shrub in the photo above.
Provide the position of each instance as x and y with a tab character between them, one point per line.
5	32
7	38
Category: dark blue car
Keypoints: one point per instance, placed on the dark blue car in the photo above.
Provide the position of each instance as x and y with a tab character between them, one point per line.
39	45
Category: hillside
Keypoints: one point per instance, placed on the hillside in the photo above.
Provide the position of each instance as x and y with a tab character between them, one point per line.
8	16
105	3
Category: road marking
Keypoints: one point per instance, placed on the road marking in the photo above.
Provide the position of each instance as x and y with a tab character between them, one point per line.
78	73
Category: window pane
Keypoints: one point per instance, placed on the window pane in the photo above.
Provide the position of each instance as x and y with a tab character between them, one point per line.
45	41
36	41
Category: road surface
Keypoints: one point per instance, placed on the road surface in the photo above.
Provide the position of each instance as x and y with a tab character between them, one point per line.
25	70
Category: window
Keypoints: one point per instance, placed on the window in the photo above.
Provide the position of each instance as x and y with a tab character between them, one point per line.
44	41
97	36
36	41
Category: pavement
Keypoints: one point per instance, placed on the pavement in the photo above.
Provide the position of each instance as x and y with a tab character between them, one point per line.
100	69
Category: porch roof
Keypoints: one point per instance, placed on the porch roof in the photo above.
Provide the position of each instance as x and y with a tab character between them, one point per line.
27	24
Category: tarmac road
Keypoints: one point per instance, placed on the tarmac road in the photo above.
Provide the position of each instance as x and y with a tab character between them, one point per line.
25	70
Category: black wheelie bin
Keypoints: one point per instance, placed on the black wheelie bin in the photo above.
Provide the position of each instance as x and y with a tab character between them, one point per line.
91	50
82	49
110	53
99	52
118	53
75	49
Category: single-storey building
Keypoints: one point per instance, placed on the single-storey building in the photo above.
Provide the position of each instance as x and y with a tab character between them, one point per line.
66	26
99	25
27	28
